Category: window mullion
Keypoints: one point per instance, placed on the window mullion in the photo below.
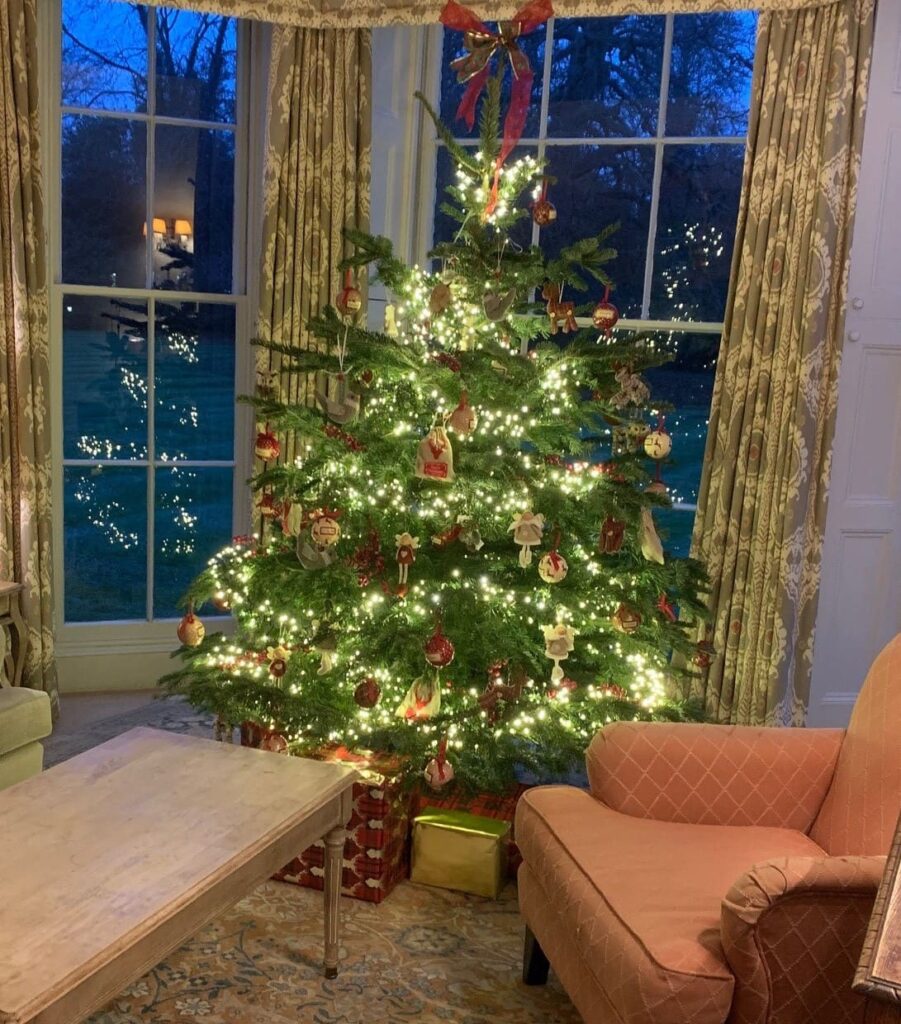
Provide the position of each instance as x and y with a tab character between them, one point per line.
151	450
658	168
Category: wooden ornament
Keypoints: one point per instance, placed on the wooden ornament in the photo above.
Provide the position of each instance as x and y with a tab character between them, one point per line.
463	420
626	619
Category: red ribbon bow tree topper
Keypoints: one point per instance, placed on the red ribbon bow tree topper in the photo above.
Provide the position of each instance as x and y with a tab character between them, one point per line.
475	67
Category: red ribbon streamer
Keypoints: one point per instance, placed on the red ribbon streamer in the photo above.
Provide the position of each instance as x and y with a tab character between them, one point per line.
475	67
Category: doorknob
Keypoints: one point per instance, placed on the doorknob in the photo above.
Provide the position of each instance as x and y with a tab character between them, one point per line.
853	335
857	303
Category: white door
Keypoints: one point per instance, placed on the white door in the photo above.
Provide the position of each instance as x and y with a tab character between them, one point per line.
860	591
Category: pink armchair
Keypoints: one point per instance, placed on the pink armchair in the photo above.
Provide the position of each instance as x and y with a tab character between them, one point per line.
715	873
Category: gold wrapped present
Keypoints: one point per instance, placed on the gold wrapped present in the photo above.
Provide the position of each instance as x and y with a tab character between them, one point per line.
456	850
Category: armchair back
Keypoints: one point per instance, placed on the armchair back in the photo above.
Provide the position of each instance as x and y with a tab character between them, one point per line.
861	808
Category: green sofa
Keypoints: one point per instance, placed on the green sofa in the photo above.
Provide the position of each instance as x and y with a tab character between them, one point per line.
24	722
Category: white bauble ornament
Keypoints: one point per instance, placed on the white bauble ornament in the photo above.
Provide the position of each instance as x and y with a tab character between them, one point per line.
552	567
658	444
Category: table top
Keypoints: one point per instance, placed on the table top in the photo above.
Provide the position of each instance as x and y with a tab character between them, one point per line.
8	587
98	850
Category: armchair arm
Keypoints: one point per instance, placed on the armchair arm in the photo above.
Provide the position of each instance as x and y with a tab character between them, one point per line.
792	930
713	774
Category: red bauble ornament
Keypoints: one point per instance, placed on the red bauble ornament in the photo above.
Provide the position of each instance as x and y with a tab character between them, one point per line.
367	693
267	447
605	315
191	630
350	301
543	210
439	651
611	538
278	667
703	654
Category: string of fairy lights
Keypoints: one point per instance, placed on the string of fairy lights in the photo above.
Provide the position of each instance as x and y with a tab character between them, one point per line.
351	485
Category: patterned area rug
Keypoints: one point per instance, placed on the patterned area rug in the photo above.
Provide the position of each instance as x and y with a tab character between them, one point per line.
425	955
173	714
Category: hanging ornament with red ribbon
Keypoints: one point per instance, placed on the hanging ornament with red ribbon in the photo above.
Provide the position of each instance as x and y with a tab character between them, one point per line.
605	315
350	299
475	67
543	210
439	771
552	567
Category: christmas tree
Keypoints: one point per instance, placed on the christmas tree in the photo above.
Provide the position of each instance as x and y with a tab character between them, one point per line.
459	560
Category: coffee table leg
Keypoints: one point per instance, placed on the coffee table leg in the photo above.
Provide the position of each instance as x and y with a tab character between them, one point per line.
334	860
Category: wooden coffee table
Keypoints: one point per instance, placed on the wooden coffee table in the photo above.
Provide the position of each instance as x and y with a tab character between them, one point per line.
114	858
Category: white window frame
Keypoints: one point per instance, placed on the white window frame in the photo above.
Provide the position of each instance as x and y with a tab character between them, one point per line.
150	634
542	142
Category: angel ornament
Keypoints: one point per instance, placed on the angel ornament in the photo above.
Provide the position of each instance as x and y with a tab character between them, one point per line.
527	528
559	641
406	554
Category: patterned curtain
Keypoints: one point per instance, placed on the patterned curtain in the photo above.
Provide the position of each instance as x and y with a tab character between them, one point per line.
25	527
317	180
361	13
762	505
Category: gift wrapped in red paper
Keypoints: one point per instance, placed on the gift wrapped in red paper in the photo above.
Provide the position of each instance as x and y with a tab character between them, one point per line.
376	853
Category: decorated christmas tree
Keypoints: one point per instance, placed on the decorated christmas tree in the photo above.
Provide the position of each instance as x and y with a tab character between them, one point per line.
459	562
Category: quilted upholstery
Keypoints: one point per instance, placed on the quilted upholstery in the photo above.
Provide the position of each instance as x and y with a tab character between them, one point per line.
642	898
571	959
860	811
792	932
714	774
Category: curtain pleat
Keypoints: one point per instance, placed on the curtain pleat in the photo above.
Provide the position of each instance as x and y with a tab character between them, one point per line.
25	472
316	182
762	503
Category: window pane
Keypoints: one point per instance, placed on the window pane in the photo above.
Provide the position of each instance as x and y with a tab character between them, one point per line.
195	381
687	385
193	520
445	227
103	201
104	48
533	45
710	74
597	186
105	522
195	65
605	77
104	378
195	187
695	231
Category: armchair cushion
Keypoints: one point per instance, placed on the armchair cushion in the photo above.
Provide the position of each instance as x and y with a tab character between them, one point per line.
640	900
714	774
792	931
